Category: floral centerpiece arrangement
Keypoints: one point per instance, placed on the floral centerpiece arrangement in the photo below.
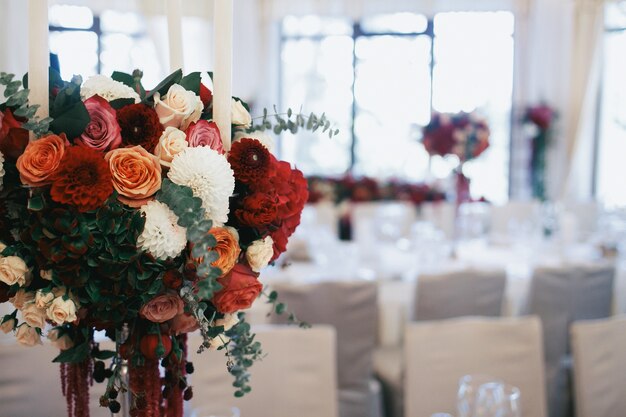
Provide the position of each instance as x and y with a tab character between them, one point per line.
464	135
124	212
539	119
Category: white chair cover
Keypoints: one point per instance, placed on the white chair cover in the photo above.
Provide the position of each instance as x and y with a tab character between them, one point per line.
560	296
351	307
296	378
599	350
460	293
442	214
30	384
439	353
504	219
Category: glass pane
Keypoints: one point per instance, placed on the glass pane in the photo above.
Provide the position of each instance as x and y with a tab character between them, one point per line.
125	22
474	72
315	25
317	76
121	52
77	52
393	97
612	146
66	16
615	16
397	22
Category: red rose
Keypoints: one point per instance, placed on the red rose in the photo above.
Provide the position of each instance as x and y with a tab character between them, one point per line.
103	132
258	210
203	133
240	288
162	308
13	139
173	279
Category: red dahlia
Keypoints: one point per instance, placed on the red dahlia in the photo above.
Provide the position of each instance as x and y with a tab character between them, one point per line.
140	126
250	160
83	179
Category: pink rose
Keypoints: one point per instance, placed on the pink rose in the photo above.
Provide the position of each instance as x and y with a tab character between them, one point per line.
162	308
103	133
203	133
183	323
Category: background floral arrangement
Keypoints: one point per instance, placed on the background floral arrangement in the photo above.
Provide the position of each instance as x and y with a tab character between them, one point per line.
126	214
539	119
463	134
364	189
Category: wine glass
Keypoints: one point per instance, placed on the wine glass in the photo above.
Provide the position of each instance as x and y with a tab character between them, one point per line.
512	406
467	394
490	400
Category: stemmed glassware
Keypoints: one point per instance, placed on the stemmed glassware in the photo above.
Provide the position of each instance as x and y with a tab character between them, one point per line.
485	396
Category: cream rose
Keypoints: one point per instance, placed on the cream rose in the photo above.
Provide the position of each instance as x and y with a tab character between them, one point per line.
229	320
34	316
179	108
239	114
8	325
28	336
62	311
13	270
63	342
259	253
43	299
265	138
21	298
172	142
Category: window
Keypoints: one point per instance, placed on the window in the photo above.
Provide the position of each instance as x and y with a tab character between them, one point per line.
610	169
88	44
380	78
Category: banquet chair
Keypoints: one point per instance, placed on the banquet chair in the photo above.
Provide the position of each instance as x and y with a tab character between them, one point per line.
599	352
351	307
30	384
514	214
560	296
442	214
471	292
439	353
295	378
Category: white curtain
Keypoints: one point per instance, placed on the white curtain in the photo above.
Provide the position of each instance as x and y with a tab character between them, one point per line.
13	38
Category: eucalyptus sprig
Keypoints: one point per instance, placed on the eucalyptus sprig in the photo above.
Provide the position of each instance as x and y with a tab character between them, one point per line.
17	98
292	122
242	351
279	308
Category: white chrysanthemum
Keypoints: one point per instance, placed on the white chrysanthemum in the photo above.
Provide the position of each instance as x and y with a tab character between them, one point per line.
1	169
161	236
210	177
107	88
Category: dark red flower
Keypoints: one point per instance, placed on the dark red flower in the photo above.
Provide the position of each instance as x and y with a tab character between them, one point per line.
541	115
205	95
258	210
140	126
250	160
83	179
13	139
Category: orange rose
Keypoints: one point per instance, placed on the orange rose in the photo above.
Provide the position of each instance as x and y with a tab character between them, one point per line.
41	159
240	287
136	174
227	247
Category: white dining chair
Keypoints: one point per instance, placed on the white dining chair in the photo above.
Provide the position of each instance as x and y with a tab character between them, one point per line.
297	377
560	296
599	352
439	353
351	307
470	292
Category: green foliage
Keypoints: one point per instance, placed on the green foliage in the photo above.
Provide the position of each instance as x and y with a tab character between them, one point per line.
191	82
163	86
17	99
280	308
293	122
242	352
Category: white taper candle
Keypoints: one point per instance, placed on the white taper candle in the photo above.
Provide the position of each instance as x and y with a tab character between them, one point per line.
175	33
38	55
223	73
